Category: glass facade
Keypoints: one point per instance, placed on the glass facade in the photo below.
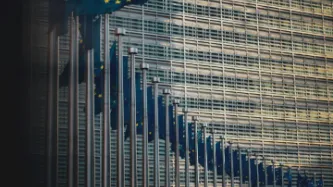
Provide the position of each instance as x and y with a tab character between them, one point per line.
260	72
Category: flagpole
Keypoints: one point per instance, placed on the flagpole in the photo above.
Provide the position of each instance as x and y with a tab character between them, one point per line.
106	105
187	147
240	166
156	80
73	104
223	162
249	167
257	169
167	93
232	165
205	153
52	123
145	181
176	103
196	119
274	177
132	52
214	158
90	119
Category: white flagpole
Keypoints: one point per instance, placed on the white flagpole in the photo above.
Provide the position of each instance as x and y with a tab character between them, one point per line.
145	181
156	80
176	103
167	93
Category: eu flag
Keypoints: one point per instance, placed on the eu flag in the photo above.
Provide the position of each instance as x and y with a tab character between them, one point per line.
219	158
270	175
320	183
227	160
278	175
161	118
172	129
139	104
245	167
201	149
182	141
210	160
235	155
151	116
261	173
191	143
61	10
253	179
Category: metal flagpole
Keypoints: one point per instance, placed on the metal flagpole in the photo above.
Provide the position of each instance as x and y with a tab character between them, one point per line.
223	162
249	166
156	80
205	153
52	123
90	119
282	180
120	106
187	147
232	165
257	169
176	103
167	93
145	181
106	105
240	166
214	158
72	105
196	119
274	179
132	52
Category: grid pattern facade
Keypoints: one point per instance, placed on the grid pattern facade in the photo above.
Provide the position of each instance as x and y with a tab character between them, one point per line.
260	72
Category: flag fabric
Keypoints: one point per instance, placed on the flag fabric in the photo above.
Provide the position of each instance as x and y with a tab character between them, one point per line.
182	140
161	118
210	153
201	149
245	167
253	179
139	104
219	163
227	160
270	175
261	170
151	116
191	140
61	10
172	128
311	182
236	162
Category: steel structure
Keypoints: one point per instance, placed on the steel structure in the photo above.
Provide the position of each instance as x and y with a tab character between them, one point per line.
259	72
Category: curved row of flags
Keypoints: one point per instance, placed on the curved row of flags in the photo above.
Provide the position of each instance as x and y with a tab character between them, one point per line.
240	160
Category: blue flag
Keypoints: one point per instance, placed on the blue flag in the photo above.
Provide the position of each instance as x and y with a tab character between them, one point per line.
201	149
210	153
151	116
172	128
270	175
278	175
161	118
219	163
261	173
236	162
245	167
61	10
253	172
139	104
191	140
182	141
227	160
